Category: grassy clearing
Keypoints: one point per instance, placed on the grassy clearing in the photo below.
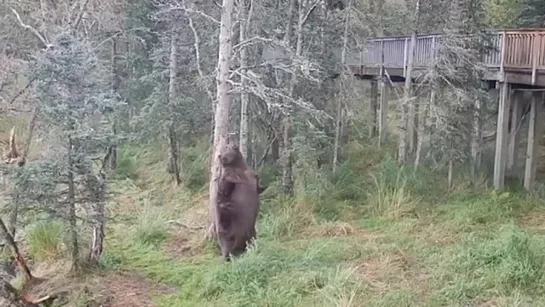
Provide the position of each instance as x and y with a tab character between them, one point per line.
394	238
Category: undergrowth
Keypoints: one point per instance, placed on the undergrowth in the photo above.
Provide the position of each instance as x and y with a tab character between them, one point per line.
370	234
45	240
373	233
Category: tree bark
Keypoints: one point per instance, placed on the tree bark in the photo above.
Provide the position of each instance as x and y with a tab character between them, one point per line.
287	154
422	127
340	101
244	96
476	139
97	243
338	129
30	132
450	181
96	189
221	116
407	91
115	87
173	157
72	219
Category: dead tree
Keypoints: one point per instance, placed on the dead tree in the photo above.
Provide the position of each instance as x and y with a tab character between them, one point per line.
14	156
221	114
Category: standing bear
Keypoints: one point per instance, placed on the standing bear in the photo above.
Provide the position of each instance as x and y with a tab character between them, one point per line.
237	202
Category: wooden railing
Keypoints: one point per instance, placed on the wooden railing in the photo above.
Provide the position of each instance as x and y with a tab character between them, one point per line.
513	50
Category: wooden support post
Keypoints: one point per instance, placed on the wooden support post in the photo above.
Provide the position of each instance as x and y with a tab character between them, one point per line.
432	120
373	109
383	115
514	133
501	137
534	135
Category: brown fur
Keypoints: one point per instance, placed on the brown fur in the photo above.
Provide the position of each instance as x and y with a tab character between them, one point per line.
238	202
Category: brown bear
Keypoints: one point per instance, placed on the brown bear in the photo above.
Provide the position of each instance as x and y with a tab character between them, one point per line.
237	203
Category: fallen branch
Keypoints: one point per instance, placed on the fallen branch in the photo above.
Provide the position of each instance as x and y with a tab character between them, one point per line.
190	227
15	250
80	15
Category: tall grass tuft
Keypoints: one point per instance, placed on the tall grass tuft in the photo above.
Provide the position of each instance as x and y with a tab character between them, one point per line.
391	199
151	226
45	240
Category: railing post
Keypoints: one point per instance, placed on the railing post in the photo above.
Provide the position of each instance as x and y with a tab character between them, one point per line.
502	56
433	47
381	52
361	57
405	57
536	50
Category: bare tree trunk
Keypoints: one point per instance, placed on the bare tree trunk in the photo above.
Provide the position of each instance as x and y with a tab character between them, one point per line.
97	243
289	22
221	116
244	96
407	91
287	154
173	157
450	174
30	132
15	251
338	129
115	87
14	216
414	114
287	158
340	101
96	189
476	141
72	219
423	126
275	145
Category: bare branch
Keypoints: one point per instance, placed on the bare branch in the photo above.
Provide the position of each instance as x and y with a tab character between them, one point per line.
250	15
310	10
22	91
252	41
189	10
80	15
118	33
198	54
31	29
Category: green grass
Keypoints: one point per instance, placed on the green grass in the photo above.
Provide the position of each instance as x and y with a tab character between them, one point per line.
372	235
45	240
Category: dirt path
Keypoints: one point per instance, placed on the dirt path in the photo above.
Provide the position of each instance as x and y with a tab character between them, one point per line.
128	289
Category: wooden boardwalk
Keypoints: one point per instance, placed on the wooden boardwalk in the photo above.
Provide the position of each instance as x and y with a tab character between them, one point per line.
514	62
514	56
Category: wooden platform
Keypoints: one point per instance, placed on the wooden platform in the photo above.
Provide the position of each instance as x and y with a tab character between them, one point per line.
514	56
